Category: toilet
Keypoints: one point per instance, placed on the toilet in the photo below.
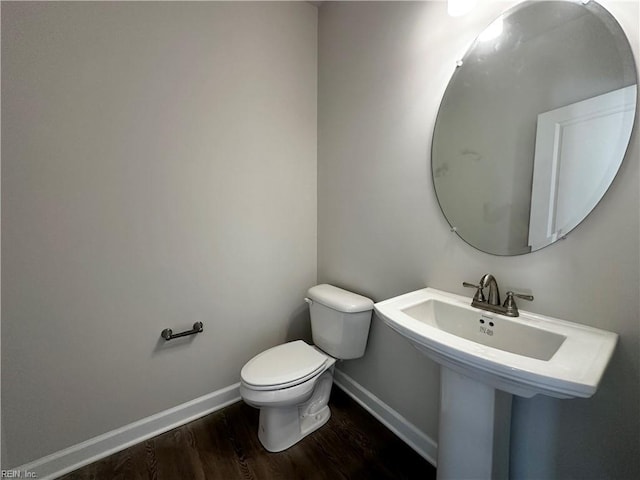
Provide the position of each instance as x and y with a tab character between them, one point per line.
291	383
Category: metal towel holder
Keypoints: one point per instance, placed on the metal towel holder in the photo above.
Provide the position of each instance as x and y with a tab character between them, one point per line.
168	334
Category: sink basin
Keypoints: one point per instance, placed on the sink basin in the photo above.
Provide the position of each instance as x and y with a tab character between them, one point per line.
503	333
527	355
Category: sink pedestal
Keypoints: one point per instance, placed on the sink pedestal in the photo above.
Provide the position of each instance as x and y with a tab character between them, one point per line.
473	439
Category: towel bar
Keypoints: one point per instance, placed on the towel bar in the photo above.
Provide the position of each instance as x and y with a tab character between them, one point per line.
168	334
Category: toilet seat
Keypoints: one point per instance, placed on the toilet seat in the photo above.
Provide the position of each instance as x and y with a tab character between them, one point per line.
284	366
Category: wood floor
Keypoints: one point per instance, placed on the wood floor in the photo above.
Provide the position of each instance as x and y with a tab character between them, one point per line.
225	445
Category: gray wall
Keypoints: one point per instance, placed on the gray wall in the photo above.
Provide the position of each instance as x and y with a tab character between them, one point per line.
382	70
159	168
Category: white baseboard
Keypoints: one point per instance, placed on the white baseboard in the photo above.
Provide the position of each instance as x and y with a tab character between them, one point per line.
70	459
89	451
405	430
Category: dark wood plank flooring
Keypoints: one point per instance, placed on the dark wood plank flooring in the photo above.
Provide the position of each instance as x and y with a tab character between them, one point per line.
225	446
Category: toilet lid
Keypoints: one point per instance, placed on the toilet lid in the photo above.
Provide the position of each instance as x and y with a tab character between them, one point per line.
283	364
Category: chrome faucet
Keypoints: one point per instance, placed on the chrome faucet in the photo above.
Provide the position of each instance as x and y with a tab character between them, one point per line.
492	304
489	280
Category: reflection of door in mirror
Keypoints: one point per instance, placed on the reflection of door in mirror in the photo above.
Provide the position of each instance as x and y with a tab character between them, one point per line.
577	154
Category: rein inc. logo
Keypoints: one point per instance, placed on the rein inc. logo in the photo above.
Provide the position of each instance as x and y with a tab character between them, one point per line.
17	474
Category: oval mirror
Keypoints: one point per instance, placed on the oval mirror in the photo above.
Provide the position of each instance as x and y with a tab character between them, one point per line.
534	125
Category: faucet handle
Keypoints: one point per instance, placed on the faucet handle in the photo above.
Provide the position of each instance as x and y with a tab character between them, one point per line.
524	296
510	304
479	296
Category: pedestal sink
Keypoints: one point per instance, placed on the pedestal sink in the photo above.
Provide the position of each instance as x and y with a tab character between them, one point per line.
485	358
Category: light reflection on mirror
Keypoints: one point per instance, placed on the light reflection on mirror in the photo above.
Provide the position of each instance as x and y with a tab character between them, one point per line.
492	31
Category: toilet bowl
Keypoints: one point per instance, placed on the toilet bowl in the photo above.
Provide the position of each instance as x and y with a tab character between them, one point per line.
291	383
292	396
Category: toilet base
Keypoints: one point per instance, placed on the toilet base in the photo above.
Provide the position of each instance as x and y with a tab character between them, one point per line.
282	427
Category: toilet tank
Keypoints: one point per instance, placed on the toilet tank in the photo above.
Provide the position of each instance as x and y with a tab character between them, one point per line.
340	320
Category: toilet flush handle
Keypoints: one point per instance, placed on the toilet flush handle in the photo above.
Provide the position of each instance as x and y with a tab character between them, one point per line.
308	300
